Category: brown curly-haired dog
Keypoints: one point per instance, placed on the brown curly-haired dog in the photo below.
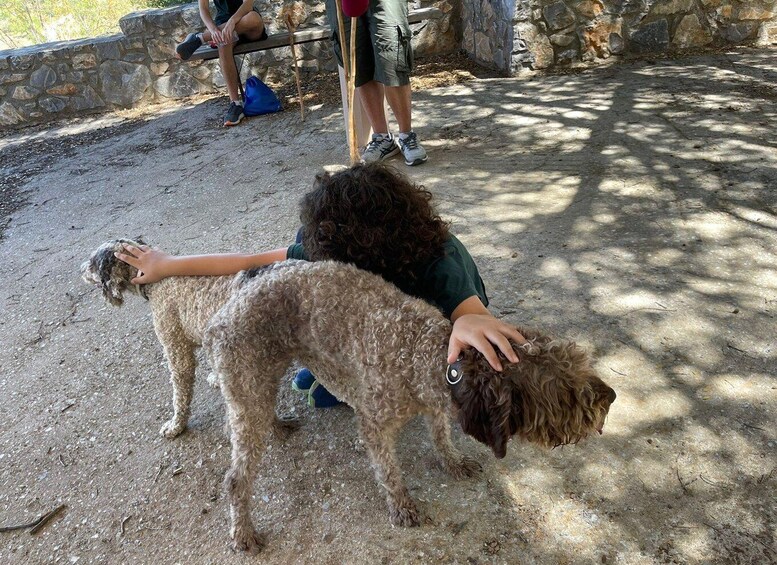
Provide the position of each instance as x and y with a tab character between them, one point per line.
384	353
181	308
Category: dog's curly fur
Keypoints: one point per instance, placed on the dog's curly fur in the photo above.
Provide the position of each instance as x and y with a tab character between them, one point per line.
181	308
384	353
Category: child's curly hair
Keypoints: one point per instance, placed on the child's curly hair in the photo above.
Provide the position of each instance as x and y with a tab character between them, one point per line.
373	217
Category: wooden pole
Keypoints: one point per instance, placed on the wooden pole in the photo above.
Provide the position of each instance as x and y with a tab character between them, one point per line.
292	28
354	150
347	68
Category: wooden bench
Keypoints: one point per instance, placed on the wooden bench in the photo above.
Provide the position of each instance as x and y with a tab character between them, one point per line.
309	35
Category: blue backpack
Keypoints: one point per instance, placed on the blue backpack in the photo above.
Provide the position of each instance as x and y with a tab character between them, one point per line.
259	98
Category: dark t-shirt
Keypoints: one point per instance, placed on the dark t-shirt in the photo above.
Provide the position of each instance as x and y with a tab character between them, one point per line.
226	8
444	282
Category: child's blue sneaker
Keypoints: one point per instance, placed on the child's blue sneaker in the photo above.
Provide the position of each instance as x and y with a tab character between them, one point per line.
319	397
303	380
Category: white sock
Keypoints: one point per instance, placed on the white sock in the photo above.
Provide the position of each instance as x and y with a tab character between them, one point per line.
404	134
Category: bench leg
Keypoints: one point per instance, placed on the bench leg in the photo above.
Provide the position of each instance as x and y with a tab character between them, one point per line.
363	127
239	68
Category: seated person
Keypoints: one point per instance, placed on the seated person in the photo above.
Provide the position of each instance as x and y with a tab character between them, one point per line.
235	19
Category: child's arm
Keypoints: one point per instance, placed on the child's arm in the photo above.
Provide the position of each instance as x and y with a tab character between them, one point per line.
207	19
229	27
154	265
474	326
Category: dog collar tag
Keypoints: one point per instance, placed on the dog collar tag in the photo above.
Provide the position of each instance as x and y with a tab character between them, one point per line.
453	373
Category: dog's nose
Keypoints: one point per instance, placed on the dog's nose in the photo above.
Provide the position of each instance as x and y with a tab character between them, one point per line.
612	396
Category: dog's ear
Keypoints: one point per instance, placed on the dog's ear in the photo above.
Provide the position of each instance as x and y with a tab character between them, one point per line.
112	286
484	411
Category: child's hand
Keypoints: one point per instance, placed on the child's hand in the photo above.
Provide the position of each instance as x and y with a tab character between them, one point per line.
150	263
483	332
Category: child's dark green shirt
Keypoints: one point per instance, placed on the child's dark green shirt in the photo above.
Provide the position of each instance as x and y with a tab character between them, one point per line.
444	282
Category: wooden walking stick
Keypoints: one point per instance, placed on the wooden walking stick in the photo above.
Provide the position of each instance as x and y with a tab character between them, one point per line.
292	15
353	9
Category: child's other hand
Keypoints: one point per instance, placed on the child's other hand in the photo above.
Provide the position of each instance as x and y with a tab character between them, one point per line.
483	332
150	263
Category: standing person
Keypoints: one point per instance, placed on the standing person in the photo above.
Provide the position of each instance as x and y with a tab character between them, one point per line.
235	19
384	60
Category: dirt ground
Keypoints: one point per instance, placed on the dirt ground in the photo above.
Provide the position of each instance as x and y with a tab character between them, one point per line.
631	208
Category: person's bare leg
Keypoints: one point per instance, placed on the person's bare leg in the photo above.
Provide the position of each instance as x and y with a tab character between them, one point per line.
229	71
371	96
251	26
399	99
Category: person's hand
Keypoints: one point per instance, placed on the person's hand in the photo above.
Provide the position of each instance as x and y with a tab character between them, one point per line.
150	263
227	32
483	332
215	36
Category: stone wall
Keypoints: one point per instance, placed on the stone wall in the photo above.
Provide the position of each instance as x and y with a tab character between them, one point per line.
138	66
511	35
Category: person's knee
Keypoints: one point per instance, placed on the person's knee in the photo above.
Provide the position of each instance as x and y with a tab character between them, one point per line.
252	21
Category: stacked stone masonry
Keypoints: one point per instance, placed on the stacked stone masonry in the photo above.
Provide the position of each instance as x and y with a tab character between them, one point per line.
138	66
512	35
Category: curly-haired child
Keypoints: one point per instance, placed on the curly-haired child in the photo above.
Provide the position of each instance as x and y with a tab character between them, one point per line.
377	219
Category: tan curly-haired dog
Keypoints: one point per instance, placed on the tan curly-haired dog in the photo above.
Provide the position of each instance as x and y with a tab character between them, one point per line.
181	308
384	353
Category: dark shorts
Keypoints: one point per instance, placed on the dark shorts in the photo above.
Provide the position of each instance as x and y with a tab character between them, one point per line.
383	49
222	17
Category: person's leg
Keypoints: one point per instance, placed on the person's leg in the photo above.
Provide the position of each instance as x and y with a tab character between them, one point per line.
251	26
390	33
229	71
371	96
399	100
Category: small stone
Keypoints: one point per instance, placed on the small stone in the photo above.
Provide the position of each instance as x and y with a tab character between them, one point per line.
63	89
8	115
562	40
558	15
25	93
108	49
738	32
84	61
135	57
652	37
22	62
754	12
43	77
178	84
124	83
52	105
691	33
590	8
159	69
671	7
9	78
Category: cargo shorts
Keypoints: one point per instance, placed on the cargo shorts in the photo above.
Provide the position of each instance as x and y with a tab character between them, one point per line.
383	49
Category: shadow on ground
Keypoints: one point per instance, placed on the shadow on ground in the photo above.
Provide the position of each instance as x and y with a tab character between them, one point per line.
631	208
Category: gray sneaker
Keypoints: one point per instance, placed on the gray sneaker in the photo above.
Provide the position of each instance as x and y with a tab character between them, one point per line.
413	152
382	146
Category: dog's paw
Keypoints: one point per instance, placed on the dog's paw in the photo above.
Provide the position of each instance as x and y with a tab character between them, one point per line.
247	540
464	468
172	428
406	515
284	427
